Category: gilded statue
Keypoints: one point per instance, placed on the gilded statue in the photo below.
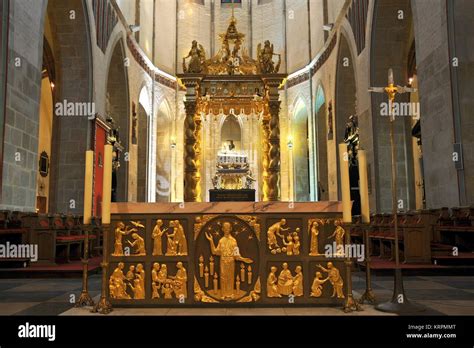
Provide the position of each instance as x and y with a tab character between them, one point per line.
197	59
272	287
228	251
314	233
139	245
335	279
285	281
120	231
338	236
156	235
317	286
265	58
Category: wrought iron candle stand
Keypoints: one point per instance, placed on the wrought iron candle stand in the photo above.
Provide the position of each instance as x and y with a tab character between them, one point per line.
85	299
104	306
369	294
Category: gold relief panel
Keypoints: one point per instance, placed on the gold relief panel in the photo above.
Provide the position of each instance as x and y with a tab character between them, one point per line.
227	259
284	236
169	281
129	239
169	237
284	279
127	281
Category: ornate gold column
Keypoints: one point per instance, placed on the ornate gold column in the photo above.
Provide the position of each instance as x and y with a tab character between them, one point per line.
192	126
272	84
265	157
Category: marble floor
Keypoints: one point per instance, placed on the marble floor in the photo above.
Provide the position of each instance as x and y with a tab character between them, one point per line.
453	295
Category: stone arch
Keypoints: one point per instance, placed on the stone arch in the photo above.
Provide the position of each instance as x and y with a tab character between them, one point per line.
300	151
71	46
385	23
117	96
321	137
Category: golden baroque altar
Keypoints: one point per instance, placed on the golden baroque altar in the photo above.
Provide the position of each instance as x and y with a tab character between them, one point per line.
227	254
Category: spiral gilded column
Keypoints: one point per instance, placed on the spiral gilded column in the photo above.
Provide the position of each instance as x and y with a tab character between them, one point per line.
274	153
265	159
191	177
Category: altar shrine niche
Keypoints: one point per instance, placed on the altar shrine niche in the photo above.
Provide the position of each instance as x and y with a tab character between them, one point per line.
232	87
226	254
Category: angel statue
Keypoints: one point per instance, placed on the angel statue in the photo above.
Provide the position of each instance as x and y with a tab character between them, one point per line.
197	60
265	58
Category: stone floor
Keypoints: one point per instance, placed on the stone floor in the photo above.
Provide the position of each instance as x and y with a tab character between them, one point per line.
453	295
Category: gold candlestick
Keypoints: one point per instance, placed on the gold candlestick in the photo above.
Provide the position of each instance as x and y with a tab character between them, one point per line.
201	266
206	277
211	265
249	275
237	284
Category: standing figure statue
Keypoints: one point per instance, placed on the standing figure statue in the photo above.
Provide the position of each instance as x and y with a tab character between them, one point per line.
156	235
314	244
265	58
338	236
197	57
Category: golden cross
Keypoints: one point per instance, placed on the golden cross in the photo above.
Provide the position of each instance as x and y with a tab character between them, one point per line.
391	91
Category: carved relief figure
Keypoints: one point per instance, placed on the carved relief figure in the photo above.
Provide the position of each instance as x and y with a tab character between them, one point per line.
285	281
317	286
117	285
298	282
228	251
272	288
314	233
139	245
156	235
338	236
335	279
275	230
120	231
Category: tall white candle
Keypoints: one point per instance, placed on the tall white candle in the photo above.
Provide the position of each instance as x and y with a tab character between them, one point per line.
107	184
88	175
363	186
345	184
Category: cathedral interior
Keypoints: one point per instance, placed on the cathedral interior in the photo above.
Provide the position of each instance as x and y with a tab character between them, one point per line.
235	157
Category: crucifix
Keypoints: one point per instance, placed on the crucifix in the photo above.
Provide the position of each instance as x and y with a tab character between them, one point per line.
399	303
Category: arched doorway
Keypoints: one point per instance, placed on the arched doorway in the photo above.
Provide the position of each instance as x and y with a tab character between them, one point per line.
118	110
320	111
346	115
300	153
